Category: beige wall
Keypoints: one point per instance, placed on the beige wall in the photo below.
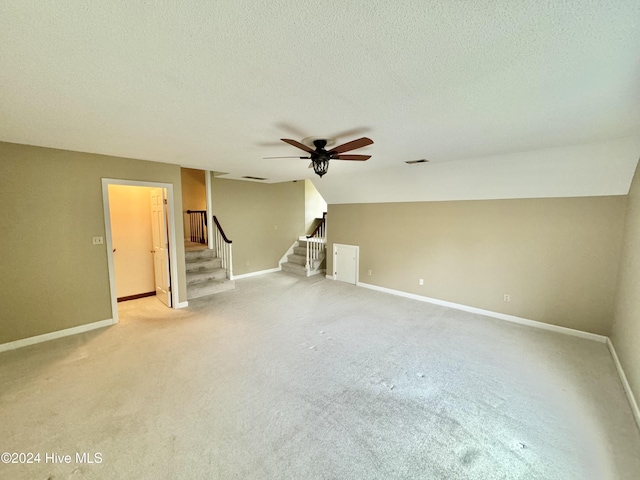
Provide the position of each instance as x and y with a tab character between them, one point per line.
249	213
194	194
51	276
314	206
556	258
626	326
131	238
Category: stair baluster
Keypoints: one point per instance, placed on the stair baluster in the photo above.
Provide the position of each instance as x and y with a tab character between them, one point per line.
198	226
224	248
315	242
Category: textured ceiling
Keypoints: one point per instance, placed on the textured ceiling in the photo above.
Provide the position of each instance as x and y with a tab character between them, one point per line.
215	84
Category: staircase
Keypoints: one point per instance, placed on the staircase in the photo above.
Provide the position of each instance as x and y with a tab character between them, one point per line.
297	262
205	274
307	255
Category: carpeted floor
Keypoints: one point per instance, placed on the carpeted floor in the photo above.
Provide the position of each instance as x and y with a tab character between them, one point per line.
294	378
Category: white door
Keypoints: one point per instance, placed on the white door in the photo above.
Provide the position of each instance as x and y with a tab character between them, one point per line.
345	263
160	245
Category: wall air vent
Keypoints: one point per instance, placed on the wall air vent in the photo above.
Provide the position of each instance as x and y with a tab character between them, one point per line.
412	162
254	178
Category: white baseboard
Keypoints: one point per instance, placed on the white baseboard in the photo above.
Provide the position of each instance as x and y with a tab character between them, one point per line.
625	383
53	335
182	305
255	274
489	313
330	277
531	323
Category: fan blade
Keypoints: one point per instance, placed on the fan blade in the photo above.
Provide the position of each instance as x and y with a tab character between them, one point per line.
349	133
264	158
345	147
299	145
351	157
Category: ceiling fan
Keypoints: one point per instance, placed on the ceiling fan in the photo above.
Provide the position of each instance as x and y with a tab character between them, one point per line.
320	156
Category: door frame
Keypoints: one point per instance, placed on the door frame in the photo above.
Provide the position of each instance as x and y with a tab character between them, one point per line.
333	265
173	252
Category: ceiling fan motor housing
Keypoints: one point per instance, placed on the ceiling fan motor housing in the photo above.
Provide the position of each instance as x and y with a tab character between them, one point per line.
320	144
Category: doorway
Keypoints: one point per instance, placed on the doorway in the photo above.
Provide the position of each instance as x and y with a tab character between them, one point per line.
132	241
161	221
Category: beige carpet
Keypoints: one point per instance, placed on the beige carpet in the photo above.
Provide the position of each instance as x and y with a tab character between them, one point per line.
295	378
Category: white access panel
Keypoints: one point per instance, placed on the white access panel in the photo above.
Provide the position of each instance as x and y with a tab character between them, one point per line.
345	263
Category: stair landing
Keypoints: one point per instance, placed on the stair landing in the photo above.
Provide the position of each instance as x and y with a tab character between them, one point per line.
190	246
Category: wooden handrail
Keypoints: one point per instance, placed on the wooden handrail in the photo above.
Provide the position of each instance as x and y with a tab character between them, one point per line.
324	218
196	211
224	237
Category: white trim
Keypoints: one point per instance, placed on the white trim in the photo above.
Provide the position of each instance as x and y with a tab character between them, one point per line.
530	323
255	274
182	305
625	383
173	252
45	337
489	313
110	262
207	182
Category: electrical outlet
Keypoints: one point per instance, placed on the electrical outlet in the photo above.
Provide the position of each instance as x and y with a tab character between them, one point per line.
421	281
275	227
507	297
99	240
369	272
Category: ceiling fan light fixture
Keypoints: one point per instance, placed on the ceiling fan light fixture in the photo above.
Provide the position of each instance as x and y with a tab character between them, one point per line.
320	166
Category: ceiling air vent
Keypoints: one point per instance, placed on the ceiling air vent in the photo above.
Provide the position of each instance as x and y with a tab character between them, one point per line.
412	162
254	178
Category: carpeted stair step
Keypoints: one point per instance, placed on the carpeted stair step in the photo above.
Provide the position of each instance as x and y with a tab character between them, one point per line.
294	268
302	251
199	254
299	259
206	274
200	264
210	287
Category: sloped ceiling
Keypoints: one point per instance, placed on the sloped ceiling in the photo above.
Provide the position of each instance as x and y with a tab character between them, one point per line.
506	99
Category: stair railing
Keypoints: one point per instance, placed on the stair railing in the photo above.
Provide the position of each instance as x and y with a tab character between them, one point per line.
224	249
198	226
316	242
